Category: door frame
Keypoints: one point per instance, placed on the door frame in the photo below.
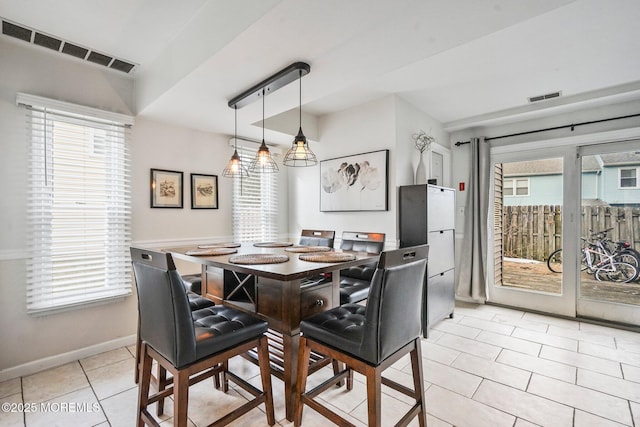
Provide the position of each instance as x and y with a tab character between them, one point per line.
563	303
604	310
567	302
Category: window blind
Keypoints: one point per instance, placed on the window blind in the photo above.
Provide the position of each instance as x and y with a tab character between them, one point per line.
79	206
255	203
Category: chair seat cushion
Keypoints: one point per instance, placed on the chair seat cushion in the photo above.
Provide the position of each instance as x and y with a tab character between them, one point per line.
362	272
341	327
218	328
197	302
193	283
353	290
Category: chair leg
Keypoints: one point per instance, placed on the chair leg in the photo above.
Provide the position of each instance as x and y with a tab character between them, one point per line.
265	374
162	383
339	366
374	392
304	354
143	387
418	385
216	381
223	377
180	398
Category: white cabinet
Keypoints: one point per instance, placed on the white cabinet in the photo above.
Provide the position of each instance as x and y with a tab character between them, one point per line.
427	215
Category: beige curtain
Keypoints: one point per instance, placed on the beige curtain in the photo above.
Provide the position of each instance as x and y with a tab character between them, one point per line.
472	264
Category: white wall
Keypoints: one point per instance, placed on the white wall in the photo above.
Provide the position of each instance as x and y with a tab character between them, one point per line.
386	123
39	342
26	338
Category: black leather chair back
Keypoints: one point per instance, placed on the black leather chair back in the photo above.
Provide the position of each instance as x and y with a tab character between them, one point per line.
393	316
165	315
317	238
372	243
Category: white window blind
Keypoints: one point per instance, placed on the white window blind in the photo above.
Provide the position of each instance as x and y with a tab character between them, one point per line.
79	205
255	203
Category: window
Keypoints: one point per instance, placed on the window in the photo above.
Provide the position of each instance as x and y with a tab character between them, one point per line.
515	187
628	177
255	203
79	205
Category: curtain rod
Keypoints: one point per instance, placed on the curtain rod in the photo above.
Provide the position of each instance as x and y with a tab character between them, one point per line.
572	126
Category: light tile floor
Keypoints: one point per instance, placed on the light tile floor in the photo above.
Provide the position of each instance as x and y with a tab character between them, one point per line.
489	366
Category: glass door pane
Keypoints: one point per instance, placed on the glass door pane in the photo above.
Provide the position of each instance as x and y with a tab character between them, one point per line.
610	228
528	224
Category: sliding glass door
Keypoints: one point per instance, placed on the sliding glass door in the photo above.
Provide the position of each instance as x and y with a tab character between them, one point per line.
566	230
609	288
530	222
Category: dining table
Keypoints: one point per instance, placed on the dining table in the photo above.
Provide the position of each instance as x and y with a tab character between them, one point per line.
279	282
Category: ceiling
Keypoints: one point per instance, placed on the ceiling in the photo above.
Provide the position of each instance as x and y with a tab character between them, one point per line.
463	62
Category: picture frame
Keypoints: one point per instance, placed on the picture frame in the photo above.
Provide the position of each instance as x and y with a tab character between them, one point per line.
166	189
358	182
204	191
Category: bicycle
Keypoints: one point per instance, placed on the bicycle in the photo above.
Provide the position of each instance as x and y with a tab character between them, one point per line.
598	259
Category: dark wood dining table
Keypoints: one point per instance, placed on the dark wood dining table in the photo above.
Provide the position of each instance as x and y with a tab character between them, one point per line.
282	294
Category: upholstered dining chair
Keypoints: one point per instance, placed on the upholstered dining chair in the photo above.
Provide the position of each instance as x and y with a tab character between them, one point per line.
370	339
191	350
355	281
196	302
317	238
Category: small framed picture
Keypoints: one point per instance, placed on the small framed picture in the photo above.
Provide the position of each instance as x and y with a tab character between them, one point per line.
204	191
166	189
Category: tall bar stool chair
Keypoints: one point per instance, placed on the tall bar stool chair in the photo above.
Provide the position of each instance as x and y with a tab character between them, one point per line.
356	281
370	339
191	350
196	302
317	237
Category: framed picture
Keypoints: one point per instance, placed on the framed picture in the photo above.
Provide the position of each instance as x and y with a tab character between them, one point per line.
355	183
204	191
166	189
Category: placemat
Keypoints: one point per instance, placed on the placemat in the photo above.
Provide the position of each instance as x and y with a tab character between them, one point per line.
211	251
306	249
272	244
258	259
327	257
220	245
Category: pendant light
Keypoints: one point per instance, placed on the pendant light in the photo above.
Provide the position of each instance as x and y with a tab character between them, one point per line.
300	155
263	162
235	166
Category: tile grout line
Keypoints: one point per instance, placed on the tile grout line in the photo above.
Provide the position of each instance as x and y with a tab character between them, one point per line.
94	394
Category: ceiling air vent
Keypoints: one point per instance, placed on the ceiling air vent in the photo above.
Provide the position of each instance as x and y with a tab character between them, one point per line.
543	97
35	37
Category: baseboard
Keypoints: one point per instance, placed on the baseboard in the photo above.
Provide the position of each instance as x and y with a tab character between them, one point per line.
61	359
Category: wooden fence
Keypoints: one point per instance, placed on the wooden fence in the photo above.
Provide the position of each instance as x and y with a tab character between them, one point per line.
533	232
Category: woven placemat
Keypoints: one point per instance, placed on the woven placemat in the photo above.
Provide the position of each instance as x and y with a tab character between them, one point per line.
258	259
211	252
272	244
328	257
307	249
220	245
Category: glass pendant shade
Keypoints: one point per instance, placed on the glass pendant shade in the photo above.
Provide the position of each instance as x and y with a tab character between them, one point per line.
235	166
300	155
263	162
